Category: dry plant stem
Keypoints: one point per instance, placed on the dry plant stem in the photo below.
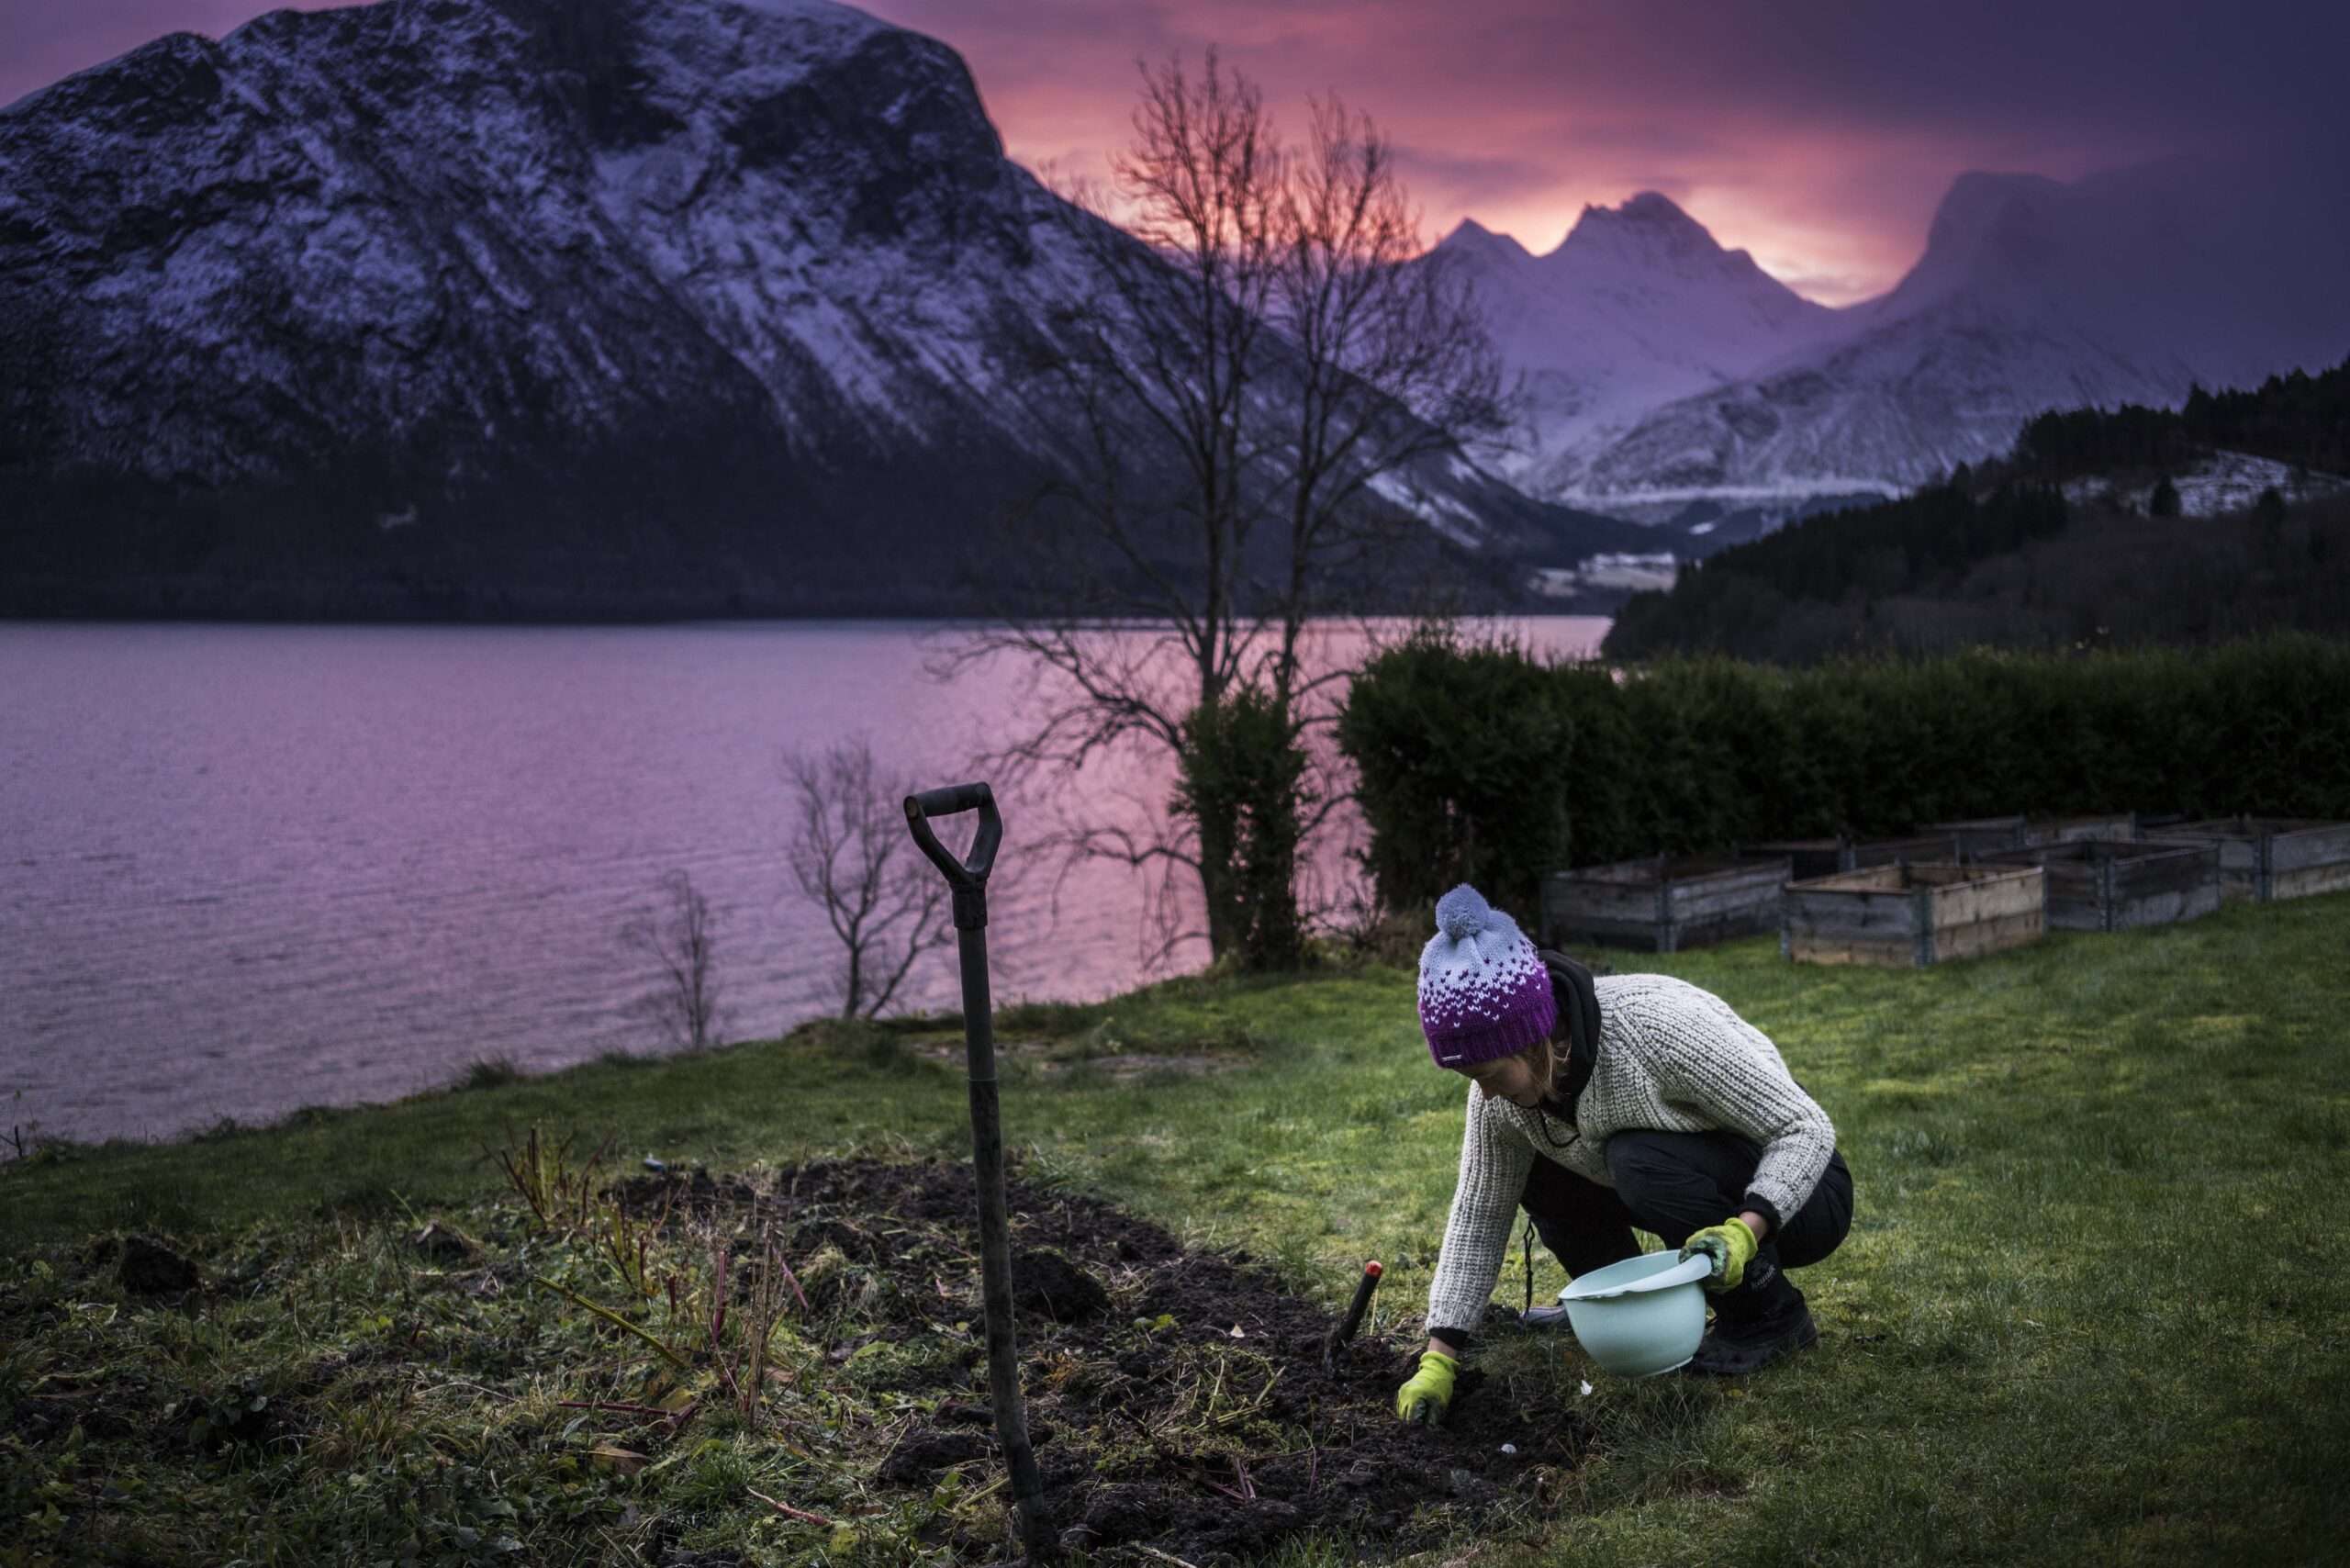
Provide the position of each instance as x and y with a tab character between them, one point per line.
628	1245
559	1198
718	1324
788	1510
615	1318
1164	1556
744	1372
674	1417
1173	1455
473	1388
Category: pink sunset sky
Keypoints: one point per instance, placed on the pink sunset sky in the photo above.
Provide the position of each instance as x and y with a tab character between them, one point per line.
1817	134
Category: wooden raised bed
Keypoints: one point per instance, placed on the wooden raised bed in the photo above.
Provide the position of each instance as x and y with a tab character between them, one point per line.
2111	885
2064	830
2263	858
1806	858
1824	856
1938	847
1664	905
1978	835
1912	914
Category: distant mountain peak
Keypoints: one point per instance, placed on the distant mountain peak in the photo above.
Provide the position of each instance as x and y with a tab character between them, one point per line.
1471	238
1987	229
1651	207
1646	210
1985	214
1649	228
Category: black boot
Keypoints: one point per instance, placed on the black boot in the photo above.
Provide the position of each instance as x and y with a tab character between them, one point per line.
1754	1325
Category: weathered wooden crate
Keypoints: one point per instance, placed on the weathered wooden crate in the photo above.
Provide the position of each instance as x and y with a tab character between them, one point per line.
1664	905
2263	858
1824	856
2064	830
1938	847
1806	858
1923	913
2102	884
1979	834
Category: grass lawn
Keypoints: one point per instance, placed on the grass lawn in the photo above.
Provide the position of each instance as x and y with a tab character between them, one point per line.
2090	1311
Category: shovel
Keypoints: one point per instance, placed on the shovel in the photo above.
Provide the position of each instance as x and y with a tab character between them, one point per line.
969	881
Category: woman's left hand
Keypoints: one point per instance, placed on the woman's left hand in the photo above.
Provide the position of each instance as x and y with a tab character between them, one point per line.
1731	1247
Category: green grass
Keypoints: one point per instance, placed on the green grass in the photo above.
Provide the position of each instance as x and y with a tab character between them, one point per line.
2091	1310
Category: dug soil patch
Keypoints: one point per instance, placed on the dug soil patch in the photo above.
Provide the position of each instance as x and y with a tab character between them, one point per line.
1177	1399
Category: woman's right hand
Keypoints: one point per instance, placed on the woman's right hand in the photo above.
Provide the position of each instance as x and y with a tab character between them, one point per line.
1424	1399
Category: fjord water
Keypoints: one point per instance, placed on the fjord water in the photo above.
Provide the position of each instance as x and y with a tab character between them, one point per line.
245	869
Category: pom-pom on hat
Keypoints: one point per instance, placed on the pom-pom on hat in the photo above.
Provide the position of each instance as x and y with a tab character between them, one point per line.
1483	991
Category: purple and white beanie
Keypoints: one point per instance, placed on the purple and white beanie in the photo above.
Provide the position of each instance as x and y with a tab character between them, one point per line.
1483	993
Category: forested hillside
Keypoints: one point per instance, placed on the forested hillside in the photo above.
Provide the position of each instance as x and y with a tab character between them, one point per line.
2296	418
1998	554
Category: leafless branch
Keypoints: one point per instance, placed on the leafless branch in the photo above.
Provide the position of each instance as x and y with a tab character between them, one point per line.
851	855
1256	363
681	946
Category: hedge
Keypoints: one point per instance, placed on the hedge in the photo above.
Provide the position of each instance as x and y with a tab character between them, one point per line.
1480	763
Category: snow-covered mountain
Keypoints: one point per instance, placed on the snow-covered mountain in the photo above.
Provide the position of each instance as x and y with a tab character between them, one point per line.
1636	307
2131	285
534	306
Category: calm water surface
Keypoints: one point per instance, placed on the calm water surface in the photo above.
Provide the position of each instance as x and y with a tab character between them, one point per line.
247	869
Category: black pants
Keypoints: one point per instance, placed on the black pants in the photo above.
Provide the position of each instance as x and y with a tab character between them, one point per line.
1673	1183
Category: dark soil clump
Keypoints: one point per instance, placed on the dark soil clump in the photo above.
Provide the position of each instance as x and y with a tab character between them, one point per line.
1049	1283
150	1268
1176	1400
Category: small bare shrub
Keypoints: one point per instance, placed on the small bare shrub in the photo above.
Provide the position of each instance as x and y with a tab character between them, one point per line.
682	949
852	856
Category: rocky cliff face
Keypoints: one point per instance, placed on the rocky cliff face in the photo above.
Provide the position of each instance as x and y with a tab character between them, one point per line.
517	307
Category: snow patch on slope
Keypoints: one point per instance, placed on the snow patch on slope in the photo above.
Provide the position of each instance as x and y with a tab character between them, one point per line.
2227	482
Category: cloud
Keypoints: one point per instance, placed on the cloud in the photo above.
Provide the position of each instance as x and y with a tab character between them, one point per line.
1819	134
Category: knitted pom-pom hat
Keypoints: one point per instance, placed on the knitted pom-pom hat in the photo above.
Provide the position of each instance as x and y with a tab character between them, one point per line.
1483	993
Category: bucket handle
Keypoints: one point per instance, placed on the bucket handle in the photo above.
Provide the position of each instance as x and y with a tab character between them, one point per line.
1664	1279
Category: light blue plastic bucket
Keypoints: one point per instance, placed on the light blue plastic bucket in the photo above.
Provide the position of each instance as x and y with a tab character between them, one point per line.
1641	1317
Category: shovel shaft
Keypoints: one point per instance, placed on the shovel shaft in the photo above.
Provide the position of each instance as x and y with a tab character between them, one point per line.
968	878
995	1238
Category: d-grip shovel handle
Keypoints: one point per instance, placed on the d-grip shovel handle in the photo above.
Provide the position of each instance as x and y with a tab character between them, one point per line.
947	802
968	878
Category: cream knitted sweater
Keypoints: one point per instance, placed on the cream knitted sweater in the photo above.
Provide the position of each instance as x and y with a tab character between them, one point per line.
1673	1058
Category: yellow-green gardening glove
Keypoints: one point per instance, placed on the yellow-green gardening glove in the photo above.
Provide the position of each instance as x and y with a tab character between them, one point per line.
1731	1247
1425	1397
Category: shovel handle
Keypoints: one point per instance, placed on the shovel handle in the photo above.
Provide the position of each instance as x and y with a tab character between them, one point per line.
952	799
947	802
1363	1287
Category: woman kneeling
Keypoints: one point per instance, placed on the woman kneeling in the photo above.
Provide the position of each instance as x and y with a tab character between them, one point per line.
1602	1104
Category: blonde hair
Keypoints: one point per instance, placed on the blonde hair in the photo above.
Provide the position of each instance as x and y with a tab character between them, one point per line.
1549	1062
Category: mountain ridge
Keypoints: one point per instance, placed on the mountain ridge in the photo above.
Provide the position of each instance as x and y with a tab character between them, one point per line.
513	307
2133	285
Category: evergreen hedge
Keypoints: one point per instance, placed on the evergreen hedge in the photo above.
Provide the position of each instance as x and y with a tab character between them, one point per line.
1479	763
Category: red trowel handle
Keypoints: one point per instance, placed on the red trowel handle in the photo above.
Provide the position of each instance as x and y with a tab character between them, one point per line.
1363	1287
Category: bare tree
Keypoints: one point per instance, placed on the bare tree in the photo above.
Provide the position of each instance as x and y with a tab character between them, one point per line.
1262	365
682	947
852	855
